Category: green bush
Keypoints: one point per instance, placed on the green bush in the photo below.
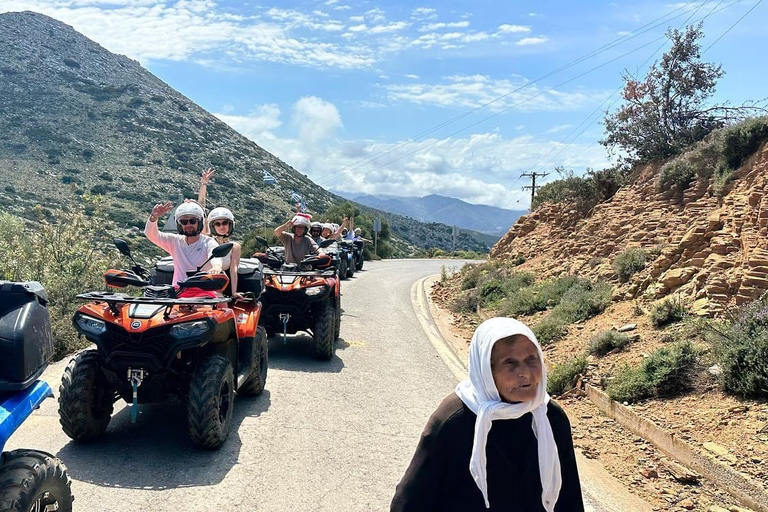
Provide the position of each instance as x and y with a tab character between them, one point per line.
606	341
667	372
564	376
740	141
668	311
465	302
628	262
715	157
498	287
583	300
741	348
582	192
550	329
64	255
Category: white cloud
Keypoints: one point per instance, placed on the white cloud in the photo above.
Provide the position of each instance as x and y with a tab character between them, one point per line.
358	28
527	41
255	125
558	128
480	168
471	91
194	29
316	119
391	27
414	77
424	12
456	39
437	26
513	29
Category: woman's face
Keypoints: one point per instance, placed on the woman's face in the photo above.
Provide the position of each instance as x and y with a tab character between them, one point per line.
516	368
221	226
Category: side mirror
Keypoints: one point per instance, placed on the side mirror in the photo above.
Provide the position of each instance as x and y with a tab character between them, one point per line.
222	250
262	240
327	243
122	246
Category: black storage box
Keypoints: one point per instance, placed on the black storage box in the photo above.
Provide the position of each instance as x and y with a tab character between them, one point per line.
164	271
26	342
250	276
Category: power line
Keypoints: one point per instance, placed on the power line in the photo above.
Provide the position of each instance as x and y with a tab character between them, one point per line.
731	27
623	39
557	150
331	178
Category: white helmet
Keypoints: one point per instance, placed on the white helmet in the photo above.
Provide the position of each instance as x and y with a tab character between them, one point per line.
301	220
358	231
329	226
221	214
186	209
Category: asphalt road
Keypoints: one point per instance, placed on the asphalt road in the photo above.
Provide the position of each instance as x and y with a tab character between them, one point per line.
332	436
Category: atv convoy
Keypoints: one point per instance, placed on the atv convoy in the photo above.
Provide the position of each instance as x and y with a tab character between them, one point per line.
203	349
302	297
30	480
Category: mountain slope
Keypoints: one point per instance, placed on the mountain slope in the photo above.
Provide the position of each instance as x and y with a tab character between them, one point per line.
76	120
447	210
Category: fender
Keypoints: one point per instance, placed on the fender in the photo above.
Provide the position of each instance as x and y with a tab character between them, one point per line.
16	407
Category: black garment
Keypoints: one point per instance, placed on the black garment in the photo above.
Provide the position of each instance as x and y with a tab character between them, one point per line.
438	478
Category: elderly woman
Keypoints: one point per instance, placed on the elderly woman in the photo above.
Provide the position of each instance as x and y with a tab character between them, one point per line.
498	442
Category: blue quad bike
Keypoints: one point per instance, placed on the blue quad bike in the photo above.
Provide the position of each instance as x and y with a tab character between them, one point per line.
30	480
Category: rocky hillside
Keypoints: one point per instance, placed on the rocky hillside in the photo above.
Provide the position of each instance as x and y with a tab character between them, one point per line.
76	119
711	250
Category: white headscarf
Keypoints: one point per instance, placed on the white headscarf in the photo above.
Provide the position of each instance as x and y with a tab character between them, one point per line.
479	393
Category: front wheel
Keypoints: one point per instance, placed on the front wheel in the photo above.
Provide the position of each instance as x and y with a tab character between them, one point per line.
343	267
31	480
258	378
352	266
323	332
359	261
337	322
211	393
85	400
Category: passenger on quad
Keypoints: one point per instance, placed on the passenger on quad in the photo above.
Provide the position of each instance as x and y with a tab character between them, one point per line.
220	224
190	248
296	242
333	231
316	232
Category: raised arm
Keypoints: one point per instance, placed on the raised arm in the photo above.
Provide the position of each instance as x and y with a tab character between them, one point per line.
336	234
204	179
162	240
279	230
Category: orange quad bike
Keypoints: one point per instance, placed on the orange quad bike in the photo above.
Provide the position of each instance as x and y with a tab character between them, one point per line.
302	297
203	349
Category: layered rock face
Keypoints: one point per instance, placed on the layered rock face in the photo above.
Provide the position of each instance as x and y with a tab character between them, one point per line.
711	251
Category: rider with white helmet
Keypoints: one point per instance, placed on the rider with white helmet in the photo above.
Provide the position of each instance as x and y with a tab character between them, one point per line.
296	242
316	232
189	248
221	225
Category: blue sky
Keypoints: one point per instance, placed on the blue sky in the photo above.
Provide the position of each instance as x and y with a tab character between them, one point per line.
342	90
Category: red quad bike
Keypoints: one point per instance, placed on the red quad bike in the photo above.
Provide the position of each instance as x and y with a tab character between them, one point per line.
200	348
302	297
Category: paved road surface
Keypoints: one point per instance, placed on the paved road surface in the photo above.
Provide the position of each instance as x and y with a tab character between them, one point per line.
332	436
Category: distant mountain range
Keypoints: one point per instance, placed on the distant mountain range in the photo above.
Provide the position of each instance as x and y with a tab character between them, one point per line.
446	210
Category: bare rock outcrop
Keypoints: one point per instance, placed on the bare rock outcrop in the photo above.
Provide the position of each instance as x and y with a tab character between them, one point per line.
711	251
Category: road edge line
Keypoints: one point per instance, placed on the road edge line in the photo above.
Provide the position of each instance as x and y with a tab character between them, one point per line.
428	325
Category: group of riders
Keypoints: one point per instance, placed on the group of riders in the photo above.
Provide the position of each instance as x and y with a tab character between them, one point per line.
197	236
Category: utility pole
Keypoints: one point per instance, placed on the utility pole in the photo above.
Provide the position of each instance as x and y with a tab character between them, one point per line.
533	175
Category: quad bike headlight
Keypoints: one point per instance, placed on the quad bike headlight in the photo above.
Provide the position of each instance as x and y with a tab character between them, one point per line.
90	325
190	329
315	290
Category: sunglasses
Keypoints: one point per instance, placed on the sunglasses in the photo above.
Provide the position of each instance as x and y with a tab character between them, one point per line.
219	223
184	222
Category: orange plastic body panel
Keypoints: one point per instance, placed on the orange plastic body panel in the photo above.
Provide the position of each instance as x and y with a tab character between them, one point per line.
247	319
178	315
300	282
